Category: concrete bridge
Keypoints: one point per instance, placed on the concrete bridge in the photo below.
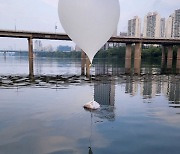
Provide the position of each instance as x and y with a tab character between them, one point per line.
129	41
59	36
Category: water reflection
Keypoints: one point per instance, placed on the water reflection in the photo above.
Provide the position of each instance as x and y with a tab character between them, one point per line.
131	86
104	94
149	86
173	92
116	67
55	66
101	68
47	115
106	67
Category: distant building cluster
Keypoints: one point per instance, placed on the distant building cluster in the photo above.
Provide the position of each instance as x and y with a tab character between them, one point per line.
62	48
38	46
155	26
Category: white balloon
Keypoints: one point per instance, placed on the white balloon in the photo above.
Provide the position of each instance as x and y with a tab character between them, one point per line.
89	23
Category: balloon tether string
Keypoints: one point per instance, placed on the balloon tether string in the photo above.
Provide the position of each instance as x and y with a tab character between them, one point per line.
90	65
91	131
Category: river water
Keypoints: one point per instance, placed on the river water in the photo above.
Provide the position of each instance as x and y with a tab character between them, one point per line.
45	115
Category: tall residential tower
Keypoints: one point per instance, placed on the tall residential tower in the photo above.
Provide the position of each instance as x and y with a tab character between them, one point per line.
169	32
177	23
162	27
152	25
134	27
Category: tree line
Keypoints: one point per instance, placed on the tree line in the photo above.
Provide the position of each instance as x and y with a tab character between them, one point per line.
148	52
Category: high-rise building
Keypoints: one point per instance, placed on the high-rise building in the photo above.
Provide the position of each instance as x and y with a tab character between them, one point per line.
177	23
169	32
162	27
152	25
134	27
173	25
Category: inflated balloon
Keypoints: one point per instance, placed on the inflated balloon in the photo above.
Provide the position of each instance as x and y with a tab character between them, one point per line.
89	23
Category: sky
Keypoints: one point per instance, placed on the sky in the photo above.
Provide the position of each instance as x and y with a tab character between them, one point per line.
42	15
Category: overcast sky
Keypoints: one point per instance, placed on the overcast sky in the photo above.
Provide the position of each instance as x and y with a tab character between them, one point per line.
42	15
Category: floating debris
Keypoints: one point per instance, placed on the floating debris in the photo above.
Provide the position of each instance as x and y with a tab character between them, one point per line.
92	105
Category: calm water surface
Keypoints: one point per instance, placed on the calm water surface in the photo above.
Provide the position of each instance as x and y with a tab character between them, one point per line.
44	115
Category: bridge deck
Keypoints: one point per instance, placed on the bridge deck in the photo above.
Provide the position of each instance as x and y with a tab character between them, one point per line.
59	36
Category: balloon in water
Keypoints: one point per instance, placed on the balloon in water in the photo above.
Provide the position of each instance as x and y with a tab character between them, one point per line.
89	23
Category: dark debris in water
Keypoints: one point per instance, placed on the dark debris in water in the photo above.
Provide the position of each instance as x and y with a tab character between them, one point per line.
60	81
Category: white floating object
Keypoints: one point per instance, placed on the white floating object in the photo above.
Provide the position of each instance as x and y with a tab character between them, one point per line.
93	105
89	23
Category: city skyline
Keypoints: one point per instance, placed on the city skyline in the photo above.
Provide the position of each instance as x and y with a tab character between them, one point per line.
41	15
154	26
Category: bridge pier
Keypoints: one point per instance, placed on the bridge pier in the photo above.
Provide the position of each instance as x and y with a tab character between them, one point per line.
128	58
88	66
30	47
163	57
169	57
83	62
178	61
137	58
